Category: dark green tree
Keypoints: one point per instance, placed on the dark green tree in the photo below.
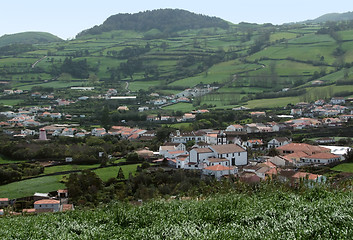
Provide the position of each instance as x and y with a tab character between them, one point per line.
120	174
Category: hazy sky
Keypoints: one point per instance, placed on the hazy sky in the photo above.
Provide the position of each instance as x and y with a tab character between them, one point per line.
66	18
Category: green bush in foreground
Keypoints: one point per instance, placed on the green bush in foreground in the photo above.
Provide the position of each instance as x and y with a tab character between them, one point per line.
315	214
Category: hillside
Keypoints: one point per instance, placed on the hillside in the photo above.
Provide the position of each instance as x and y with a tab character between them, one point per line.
167	21
28	38
333	17
250	64
315	214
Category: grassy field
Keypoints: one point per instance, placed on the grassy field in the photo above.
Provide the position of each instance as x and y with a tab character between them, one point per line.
5	160
30	186
51	183
184	107
135	86
273	102
10	102
344	167
112	172
69	167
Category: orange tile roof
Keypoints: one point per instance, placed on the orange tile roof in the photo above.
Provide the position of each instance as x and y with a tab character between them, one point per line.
47	201
218	160
305	175
203	150
29	210
323	156
303	147
67	207
227	148
218	168
63	191
295	155
4	199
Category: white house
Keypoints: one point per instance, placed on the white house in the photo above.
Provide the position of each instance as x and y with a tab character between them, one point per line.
233	152
179	137
219	171
338	100
98	132
235	128
47	205
4	202
278	141
321	158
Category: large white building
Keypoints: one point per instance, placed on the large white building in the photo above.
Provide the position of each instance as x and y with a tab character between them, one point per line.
226	155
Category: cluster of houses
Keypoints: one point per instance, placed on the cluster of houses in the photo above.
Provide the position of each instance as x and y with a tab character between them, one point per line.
42	202
320	108
185	96
217	154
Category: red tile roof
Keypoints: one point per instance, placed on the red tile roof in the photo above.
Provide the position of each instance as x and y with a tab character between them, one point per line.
227	148
218	168
323	156
305	175
303	147
47	201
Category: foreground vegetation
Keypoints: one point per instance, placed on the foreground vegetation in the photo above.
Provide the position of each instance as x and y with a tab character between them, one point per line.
266	213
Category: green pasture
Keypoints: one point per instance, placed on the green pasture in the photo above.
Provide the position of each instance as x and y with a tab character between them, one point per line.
15	62
346	35
135	86
312	39
348	48
178	125
30	186
221	99
184	107
5	160
281	35
240	90
272	103
220	73
10	102
68	167
304	52
54	84
339	75
112	172
344	167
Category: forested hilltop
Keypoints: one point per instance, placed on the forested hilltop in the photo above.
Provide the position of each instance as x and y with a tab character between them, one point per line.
167	21
28	38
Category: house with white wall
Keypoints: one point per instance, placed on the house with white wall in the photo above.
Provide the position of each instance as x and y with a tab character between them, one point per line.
278	141
47	205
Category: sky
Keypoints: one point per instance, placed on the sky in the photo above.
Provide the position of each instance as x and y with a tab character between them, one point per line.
66	18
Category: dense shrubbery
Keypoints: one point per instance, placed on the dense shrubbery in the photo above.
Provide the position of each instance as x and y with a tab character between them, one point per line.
267	214
15	172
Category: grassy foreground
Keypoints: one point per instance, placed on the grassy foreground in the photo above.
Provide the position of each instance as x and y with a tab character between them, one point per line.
315	214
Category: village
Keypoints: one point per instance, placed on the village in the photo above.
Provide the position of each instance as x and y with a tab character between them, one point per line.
235	151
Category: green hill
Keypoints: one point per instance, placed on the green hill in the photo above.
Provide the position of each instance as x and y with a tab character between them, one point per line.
247	62
167	21
28	38
333	17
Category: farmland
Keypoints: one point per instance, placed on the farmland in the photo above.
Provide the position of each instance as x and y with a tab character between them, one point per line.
291	58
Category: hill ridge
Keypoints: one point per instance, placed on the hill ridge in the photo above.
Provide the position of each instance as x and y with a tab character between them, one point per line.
163	20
